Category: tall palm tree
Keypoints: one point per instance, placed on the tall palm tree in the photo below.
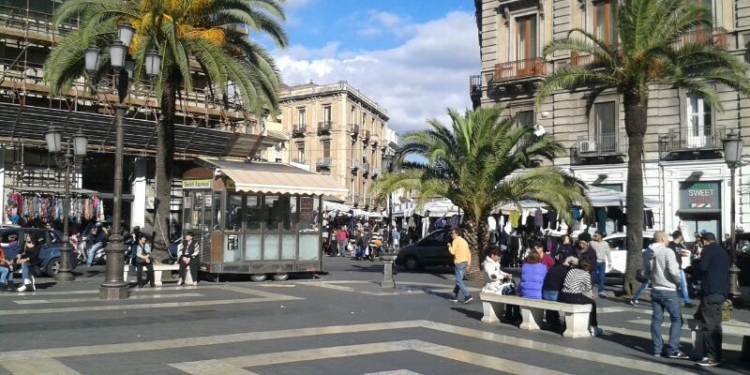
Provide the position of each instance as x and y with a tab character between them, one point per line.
649	55
479	162
202	33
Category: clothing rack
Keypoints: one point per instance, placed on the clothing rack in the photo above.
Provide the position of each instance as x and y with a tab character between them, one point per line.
46	204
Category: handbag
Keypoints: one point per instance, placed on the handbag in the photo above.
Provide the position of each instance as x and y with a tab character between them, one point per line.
640	275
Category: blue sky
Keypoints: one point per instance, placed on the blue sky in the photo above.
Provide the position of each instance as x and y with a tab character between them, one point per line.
413	57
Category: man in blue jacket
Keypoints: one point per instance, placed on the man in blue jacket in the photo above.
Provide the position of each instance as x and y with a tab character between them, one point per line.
713	269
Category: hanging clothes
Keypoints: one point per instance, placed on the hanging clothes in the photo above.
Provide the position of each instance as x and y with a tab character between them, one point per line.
552	220
601	219
538	218
515	216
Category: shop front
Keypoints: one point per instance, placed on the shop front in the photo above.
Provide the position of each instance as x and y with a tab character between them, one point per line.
700	206
256	218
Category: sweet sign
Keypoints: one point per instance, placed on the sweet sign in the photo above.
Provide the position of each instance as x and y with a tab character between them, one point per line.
700	195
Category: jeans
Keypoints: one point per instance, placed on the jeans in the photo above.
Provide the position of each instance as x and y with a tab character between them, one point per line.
149	272
601	270
661	300
710	312
640	291
460	270
5	274
25	272
92	251
683	287
553	316
193	269
342	248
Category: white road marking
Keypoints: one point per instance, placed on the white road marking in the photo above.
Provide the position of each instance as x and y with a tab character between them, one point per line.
42	366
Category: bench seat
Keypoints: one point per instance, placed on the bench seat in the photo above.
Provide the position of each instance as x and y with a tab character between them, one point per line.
158	269
532	312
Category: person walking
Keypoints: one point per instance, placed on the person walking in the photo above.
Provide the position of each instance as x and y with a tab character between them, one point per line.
341	241
395	239
459	248
714	290
661	269
678	248
142	254
188	254
603	257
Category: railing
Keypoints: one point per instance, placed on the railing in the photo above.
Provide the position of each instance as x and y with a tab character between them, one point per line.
580	60
475	84
602	145
365	169
298	130
374	138
354	129
324	127
299	160
34	21
520	69
691	138
713	37
355	165
323	162
375	172
366	136
368	201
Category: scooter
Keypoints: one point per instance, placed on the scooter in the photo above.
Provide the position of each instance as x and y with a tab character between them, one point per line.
84	247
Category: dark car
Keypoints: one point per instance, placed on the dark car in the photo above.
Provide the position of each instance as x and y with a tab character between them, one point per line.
50	242
432	250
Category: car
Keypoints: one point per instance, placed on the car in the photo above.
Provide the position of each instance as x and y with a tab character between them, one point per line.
618	246
431	250
50	241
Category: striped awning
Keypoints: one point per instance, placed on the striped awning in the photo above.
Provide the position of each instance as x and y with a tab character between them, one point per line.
275	178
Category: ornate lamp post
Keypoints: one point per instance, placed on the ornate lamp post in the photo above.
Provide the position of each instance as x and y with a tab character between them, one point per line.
66	161
733	157
114	286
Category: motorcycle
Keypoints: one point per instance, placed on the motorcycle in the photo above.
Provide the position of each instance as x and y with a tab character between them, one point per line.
84	247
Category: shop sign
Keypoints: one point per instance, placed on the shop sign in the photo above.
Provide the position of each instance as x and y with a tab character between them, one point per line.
700	195
197	184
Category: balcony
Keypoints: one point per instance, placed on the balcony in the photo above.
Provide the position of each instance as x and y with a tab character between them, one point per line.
712	37
298	131
374	172
374	140
353	129
475	90
323	163
324	127
368	201
611	147
578	60
352	200
299	161
533	67
365	169
366	136
693	139
354	166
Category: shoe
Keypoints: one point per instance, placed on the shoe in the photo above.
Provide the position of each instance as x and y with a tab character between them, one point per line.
453	299
679	355
596	332
602	295
21	289
634	302
657	354
707	362
468	300
689	305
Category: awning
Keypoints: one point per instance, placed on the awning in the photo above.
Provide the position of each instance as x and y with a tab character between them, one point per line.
275	178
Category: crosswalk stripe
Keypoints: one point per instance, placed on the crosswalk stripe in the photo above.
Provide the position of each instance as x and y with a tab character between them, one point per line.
80	300
42	366
211	367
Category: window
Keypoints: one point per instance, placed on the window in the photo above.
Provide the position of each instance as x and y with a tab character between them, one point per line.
604	25
326	149
327	113
364	120
605	126
301	156
253	216
525	118
526	48
234	212
300	118
699	121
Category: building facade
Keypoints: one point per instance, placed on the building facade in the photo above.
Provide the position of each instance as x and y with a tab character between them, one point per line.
338	131
683	164
206	125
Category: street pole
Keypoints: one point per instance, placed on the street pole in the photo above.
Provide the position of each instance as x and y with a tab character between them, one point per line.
114	286
65	273
733	269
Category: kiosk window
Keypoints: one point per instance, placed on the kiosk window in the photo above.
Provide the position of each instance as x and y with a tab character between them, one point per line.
217	211
252	213
234	212
273	210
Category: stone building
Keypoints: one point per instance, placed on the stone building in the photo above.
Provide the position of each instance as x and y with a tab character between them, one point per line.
683	157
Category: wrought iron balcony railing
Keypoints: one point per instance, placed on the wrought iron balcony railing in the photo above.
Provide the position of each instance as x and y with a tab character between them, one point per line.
714	37
324	163
475	84
354	129
520	69
299	130
611	144
324	127
694	138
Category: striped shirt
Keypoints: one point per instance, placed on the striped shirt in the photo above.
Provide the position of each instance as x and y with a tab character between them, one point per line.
577	281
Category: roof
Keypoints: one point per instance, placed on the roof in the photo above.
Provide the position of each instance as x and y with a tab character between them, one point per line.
275	178
29	122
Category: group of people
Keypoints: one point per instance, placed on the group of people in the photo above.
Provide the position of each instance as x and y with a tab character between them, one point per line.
27	260
188	255
366	243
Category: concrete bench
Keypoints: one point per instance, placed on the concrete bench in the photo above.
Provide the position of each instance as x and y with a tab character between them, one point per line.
159	268
532	312
730	328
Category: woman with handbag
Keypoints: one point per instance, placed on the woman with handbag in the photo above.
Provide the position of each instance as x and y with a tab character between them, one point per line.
143	258
28	260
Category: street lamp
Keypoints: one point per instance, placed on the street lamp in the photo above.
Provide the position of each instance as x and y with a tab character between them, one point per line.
389	162
733	157
114	286
66	161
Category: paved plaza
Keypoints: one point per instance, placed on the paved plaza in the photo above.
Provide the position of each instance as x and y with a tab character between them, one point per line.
338	323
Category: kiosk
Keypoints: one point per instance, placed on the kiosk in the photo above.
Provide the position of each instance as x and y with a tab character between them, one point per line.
257	218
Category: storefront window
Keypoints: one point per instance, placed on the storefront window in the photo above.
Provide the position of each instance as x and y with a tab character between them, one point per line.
234	212
253	216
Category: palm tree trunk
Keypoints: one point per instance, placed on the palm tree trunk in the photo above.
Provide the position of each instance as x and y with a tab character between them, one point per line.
635	126
477	236
164	161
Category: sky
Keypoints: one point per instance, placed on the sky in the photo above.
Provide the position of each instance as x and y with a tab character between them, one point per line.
413	57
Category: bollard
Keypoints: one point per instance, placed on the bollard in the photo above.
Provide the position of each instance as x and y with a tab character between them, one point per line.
388	281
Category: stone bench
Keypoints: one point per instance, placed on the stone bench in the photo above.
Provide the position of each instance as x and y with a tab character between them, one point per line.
730	328
532	312
159	268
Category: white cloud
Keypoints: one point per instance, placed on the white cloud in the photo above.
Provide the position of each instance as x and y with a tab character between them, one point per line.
415	81
378	23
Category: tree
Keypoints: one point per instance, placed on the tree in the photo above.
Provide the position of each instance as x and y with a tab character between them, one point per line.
478	163
653	51
189	35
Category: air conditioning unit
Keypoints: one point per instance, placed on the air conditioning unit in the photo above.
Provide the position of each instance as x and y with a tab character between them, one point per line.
587	146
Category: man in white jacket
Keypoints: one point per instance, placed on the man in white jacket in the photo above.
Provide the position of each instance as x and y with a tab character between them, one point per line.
661	268
494	278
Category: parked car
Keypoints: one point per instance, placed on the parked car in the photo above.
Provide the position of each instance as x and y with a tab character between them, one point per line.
618	246
431	250
50	241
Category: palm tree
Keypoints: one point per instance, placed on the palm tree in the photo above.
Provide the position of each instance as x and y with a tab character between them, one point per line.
648	56
478	163
187	34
